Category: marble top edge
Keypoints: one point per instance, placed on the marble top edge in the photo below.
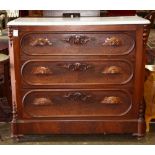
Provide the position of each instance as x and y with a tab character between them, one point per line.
78	21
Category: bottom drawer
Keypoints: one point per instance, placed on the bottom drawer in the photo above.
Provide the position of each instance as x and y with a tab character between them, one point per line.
74	103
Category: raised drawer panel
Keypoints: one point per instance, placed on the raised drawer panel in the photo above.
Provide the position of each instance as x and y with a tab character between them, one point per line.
38	72
69	103
93	43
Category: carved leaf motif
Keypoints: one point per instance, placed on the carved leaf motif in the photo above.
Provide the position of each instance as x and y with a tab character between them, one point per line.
41	42
111	100
77	39
112	70
41	70
42	101
77	96
112	41
76	66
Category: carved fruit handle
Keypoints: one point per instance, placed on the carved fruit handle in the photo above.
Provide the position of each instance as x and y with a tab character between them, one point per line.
111	100
41	42
112	41
112	70
41	70
77	96
42	101
77	39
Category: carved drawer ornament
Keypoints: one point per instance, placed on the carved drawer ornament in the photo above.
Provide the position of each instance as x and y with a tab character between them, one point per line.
77	39
77	66
77	96
42	101
112	41
112	70
41	70
41	42
111	100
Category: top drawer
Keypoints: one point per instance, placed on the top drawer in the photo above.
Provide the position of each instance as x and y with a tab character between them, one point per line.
92	43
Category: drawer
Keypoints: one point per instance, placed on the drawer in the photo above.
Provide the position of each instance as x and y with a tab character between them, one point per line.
37	72
93	43
70	103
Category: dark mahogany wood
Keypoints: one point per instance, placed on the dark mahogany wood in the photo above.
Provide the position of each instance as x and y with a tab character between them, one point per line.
77	79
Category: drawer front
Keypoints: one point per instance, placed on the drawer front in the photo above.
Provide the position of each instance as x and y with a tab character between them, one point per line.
69	103
77	72
77	43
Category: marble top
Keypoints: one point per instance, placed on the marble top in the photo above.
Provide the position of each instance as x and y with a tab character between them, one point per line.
3	57
79	21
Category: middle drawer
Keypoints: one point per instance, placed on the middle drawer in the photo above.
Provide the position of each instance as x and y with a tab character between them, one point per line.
50	72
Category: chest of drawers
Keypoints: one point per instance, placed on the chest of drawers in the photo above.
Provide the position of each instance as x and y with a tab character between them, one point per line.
77	78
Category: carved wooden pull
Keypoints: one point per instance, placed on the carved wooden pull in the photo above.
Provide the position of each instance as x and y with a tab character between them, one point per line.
77	39
112	41
43	101
111	100
41	42
41	70
76	66
112	70
77	96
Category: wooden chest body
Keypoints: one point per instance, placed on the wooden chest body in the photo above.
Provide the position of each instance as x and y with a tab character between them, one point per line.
77	79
